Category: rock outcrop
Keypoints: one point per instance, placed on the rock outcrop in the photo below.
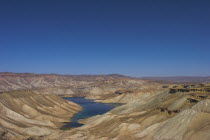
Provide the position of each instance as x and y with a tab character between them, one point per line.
25	113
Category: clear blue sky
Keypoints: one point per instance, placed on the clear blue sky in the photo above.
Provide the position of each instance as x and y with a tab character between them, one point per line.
132	37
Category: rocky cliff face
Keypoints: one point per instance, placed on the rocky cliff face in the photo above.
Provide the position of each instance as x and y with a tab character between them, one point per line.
25	113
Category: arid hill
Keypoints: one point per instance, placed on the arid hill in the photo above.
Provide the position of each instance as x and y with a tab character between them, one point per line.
30	105
31	108
25	113
160	116
90	86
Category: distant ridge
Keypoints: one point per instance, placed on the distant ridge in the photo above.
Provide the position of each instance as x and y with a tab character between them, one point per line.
14	81
27	73
181	79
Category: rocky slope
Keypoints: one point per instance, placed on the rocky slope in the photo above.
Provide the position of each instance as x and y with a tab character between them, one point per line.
30	106
25	113
163	116
150	112
14	81
90	86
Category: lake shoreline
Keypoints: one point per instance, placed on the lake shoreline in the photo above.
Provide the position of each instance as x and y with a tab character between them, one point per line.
89	109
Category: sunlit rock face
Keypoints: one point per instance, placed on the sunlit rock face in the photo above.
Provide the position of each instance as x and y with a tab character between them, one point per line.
156	117
25	113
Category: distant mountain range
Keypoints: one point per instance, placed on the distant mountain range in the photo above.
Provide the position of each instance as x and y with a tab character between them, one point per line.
180	79
8	77
14	81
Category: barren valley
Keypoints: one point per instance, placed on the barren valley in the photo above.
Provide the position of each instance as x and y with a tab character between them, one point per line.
32	108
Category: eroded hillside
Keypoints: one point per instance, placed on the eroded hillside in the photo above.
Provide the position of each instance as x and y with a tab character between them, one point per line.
95	87
25	113
163	116
29	106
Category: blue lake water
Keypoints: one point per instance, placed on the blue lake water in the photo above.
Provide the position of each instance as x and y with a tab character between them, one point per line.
90	108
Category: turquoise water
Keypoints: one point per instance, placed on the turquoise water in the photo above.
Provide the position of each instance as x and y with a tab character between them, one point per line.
90	108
